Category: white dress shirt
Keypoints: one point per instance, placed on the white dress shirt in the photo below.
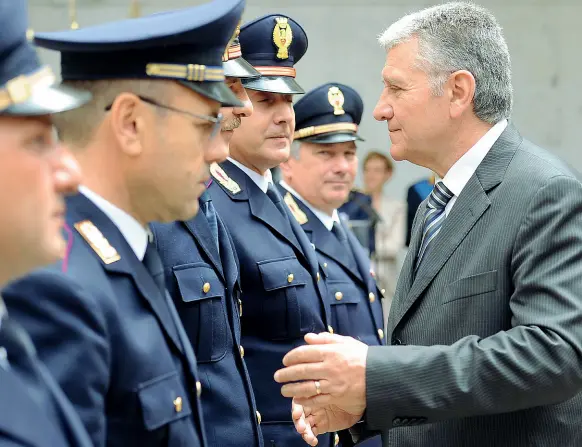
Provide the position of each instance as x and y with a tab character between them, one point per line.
325	218
133	232
262	181
460	173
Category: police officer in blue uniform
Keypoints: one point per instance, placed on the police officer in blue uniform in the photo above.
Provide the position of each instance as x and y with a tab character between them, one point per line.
36	172
202	275
283	293
317	178
102	320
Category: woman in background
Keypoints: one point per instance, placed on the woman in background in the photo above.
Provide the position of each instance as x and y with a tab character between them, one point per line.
391	231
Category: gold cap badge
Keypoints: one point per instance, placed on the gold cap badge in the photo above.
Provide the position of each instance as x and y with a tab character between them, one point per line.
97	241
336	99
282	37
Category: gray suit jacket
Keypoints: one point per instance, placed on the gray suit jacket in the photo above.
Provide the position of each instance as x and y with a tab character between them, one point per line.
487	337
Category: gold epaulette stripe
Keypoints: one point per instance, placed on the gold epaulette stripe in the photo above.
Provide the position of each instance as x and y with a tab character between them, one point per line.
276	71
20	88
324	128
189	72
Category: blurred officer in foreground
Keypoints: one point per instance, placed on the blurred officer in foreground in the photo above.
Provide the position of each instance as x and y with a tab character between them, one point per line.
103	322
283	297
317	180
202	274
36	173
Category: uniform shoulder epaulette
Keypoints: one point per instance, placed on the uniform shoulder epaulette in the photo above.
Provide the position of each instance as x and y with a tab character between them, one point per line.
295	210
223	178
97	241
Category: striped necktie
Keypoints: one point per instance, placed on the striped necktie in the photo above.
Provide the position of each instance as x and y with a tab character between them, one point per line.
434	217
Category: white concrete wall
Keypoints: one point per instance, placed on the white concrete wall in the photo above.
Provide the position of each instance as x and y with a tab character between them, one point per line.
544	37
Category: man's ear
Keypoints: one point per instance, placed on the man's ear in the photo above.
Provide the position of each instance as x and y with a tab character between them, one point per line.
127	123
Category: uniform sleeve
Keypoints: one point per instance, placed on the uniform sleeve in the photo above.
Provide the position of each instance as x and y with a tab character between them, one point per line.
69	333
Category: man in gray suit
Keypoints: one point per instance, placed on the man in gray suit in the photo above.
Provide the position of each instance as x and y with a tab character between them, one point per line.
486	325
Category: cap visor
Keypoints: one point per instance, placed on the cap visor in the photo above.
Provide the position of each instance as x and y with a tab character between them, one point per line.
48	100
275	84
239	68
218	91
331	138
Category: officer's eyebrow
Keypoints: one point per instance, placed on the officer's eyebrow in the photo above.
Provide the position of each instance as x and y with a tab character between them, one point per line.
389	78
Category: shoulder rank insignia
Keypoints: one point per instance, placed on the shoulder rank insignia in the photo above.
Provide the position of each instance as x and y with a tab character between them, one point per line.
282	37
336	98
219	174
295	210
97	241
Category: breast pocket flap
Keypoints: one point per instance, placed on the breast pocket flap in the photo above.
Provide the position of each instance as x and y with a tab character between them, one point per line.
198	282
343	292
472	285
163	400
281	273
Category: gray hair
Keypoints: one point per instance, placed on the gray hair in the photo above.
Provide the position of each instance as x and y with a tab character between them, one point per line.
460	36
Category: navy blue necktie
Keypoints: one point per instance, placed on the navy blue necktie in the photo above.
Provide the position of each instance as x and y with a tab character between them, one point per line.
340	233
210	213
275	197
153	264
434	217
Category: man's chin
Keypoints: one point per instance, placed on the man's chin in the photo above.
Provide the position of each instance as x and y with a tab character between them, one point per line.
226	136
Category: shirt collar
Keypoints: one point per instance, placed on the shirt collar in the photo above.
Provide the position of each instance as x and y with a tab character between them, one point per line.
133	232
462	171
262	181
325	218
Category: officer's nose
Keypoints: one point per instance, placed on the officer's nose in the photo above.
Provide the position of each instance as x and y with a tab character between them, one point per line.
66	171
383	110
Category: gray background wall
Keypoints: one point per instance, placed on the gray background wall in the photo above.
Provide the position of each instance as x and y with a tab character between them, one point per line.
544	37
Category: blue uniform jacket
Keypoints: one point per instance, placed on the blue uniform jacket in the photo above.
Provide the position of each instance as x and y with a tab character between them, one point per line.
108	336
205	287
352	292
34	412
282	298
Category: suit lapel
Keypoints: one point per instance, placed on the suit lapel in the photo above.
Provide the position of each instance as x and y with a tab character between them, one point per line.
467	210
326	242
79	209
262	208
362	262
407	272
308	251
228	256
363	266
198	227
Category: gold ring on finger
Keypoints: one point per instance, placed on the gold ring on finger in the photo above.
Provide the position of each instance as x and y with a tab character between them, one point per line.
317	386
